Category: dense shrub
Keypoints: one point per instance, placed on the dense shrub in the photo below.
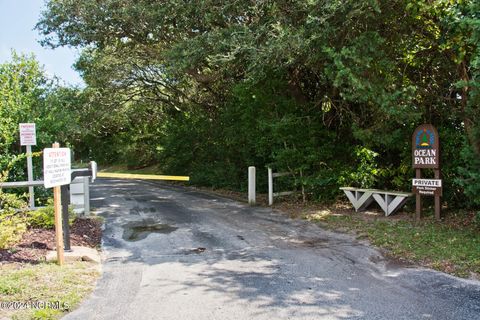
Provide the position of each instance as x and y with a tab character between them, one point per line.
45	217
13	222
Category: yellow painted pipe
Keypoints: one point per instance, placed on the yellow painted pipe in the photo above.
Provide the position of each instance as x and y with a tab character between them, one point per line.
141	176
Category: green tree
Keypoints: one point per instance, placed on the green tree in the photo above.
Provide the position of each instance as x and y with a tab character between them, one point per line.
211	87
28	95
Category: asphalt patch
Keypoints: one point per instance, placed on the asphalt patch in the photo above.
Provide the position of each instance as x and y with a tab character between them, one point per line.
199	250
139	230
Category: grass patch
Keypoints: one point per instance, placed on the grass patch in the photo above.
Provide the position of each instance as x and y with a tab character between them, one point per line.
47	283
440	246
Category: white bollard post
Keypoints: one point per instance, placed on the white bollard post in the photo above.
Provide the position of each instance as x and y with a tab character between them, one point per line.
270	187
251	186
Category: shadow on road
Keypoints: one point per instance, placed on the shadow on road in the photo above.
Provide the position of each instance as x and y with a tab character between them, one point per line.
222	259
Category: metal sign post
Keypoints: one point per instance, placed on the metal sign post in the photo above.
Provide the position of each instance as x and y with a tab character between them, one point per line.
65	221
90	172
57	172
426	155
28	138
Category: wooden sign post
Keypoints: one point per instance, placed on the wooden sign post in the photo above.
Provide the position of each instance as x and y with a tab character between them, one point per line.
57	203
57	172
426	155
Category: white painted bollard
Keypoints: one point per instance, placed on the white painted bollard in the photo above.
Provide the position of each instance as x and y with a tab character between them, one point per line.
270	186
251	186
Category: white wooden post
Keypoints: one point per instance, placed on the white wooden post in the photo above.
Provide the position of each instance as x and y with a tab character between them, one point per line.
30	177
251	186
270	187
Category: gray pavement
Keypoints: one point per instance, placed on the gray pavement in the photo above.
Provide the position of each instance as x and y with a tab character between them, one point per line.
174	253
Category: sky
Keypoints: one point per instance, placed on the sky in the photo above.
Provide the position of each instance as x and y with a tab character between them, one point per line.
17	22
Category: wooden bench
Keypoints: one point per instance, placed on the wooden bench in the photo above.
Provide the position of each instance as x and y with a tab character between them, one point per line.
389	201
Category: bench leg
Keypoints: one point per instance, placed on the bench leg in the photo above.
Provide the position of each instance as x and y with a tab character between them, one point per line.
360	200
390	204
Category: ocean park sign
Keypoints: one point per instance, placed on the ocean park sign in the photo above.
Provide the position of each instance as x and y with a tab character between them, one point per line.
426	155
426	147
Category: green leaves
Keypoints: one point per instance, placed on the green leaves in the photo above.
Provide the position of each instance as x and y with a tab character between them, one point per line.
366	172
22	86
214	86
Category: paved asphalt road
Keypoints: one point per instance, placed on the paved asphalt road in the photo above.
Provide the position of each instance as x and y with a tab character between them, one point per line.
212	258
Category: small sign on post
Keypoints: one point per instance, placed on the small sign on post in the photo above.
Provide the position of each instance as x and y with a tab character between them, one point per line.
57	172
28	138
28	135
427	187
57	169
426	155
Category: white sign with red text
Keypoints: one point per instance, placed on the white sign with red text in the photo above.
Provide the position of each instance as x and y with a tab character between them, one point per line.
28	135
57	169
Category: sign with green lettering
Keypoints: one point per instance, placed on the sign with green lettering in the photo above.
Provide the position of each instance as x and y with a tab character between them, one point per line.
425	147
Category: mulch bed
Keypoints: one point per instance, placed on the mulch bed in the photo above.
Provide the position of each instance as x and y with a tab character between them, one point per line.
36	243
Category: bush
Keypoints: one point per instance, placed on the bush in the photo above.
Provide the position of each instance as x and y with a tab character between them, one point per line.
45	217
10	201
476	220
12	223
14	218
366	172
469	176
12	228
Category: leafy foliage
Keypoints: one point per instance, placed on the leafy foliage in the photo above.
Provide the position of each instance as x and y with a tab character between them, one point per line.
469	176
45	217
12	227
328	90
12	223
28	95
366	173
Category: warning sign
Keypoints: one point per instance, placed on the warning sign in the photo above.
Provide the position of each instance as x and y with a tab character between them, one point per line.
57	169
28	135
